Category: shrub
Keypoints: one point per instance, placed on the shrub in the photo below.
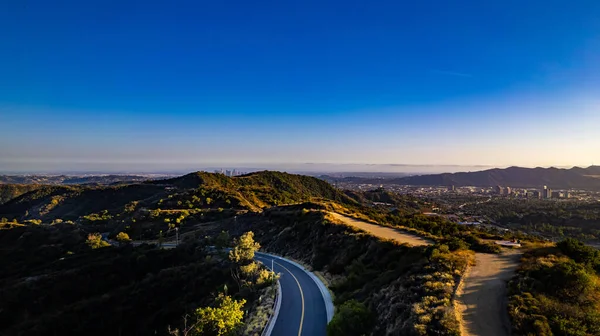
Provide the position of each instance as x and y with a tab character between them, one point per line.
123	237
95	241
224	319
351	318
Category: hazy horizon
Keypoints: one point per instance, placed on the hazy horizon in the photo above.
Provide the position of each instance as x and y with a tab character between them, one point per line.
122	86
307	168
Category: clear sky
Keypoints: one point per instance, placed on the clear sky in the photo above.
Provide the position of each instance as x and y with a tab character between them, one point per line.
176	84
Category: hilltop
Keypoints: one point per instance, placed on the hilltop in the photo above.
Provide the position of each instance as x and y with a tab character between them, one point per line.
576	178
148	207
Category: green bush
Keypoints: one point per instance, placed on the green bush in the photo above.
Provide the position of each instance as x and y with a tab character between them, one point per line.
352	318
555	295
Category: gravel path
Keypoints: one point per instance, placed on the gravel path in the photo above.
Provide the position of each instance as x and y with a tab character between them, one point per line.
483	301
383	231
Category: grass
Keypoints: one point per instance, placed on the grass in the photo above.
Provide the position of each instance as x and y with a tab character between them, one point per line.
259	314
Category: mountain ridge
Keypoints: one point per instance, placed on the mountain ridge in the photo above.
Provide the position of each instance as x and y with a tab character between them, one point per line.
560	178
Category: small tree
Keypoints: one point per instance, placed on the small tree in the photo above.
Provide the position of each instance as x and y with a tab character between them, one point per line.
224	319
244	248
244	270
95	241
123	237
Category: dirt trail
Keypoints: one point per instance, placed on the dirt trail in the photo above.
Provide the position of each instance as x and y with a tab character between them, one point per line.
483	301
383	231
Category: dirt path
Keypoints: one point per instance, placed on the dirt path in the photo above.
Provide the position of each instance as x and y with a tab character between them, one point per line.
483	301
383	231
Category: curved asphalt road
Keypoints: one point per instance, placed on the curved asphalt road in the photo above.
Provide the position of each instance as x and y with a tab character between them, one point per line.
302	310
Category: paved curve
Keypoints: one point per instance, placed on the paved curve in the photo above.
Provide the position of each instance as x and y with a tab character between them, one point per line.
302	310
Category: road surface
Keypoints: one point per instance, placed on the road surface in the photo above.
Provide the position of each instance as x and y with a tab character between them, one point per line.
383	231
302	310
483	300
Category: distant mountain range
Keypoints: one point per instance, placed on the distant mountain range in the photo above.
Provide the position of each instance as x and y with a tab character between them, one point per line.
73	179
574	178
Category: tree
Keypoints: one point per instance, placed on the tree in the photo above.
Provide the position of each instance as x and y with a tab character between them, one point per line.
123	237
95	241
224	319
244	248
352	318
222	240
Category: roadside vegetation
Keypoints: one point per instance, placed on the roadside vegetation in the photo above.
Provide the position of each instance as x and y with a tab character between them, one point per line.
557	291
60	280
385	287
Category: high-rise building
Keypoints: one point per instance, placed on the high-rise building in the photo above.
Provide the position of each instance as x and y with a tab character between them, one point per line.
546	193
498	190
507	191
451	188
566	194
233	173
536	194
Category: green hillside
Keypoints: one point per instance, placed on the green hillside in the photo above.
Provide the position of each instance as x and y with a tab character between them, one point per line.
143	210
10	191
260	189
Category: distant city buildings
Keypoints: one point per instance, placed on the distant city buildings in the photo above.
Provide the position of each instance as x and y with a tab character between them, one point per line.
230	173
546	193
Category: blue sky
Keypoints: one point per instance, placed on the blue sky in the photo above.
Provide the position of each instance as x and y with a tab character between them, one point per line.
128	84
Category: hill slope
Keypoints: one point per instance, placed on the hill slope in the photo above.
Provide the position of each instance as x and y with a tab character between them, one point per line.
195	192
580	178
10	191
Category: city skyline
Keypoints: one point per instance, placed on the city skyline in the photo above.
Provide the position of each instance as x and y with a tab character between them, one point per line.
102	87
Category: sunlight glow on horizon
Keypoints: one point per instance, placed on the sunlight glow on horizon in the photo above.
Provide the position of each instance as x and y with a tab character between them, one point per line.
202	83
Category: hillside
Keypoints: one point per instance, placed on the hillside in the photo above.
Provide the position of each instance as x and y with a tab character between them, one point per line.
10	191
406	203
254	191
53	283
578	178
407	290
143	210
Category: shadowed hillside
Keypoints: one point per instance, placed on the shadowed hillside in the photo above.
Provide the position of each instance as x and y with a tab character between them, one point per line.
143	210
10	191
